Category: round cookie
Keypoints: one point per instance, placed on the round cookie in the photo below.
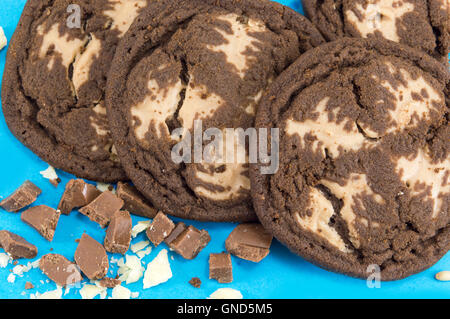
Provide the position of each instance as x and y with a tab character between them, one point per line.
421	24
55	78
364	176
199	60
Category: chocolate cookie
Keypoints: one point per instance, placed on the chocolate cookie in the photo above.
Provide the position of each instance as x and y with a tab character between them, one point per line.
54	82
364	174
186	62
421	24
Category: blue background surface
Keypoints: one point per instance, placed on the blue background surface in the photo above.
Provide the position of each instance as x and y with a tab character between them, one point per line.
280	275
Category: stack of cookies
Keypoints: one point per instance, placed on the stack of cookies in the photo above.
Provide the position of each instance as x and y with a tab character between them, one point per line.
350	109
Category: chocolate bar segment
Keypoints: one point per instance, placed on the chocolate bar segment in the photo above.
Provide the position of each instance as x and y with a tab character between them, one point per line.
77	194
118	234
42	218
134	202
101	209
91	257
179	228
17	246
220	268
62	271
249	241
22	197
190	242
159	229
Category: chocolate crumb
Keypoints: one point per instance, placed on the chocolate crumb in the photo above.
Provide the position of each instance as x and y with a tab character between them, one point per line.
77	194
28	285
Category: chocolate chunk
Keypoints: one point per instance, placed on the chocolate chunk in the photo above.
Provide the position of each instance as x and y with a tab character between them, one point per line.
190	242
42	218
195	282
220	268
249	241
101	209
134	202
28	285
109	282
159	229
118	234
77	194
22	197
91	257
179	228
60	270
17	246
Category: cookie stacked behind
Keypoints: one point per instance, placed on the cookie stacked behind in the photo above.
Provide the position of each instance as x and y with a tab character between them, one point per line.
184	62
363	183
420	24
54	82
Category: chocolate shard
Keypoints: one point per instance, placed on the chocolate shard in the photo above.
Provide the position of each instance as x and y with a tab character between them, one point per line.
77	194
42	218
195	282
159	229
109	282
134	202
101	209
220	268
22	197
17	246
91	257
190	242
118	234
179	228
62	271
249	241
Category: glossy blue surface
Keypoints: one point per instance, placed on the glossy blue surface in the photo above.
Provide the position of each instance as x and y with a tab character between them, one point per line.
280	275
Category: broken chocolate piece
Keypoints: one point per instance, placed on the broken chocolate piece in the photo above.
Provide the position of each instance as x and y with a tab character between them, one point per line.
101	209
190	242
60	270
179	228
17	246
220	268
91	257
42	218
249	241
109	282
195	282
134	202
77	194
22	197
118	234
159	229
28	285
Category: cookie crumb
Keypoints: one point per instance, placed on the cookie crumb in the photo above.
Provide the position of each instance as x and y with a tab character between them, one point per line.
195	282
